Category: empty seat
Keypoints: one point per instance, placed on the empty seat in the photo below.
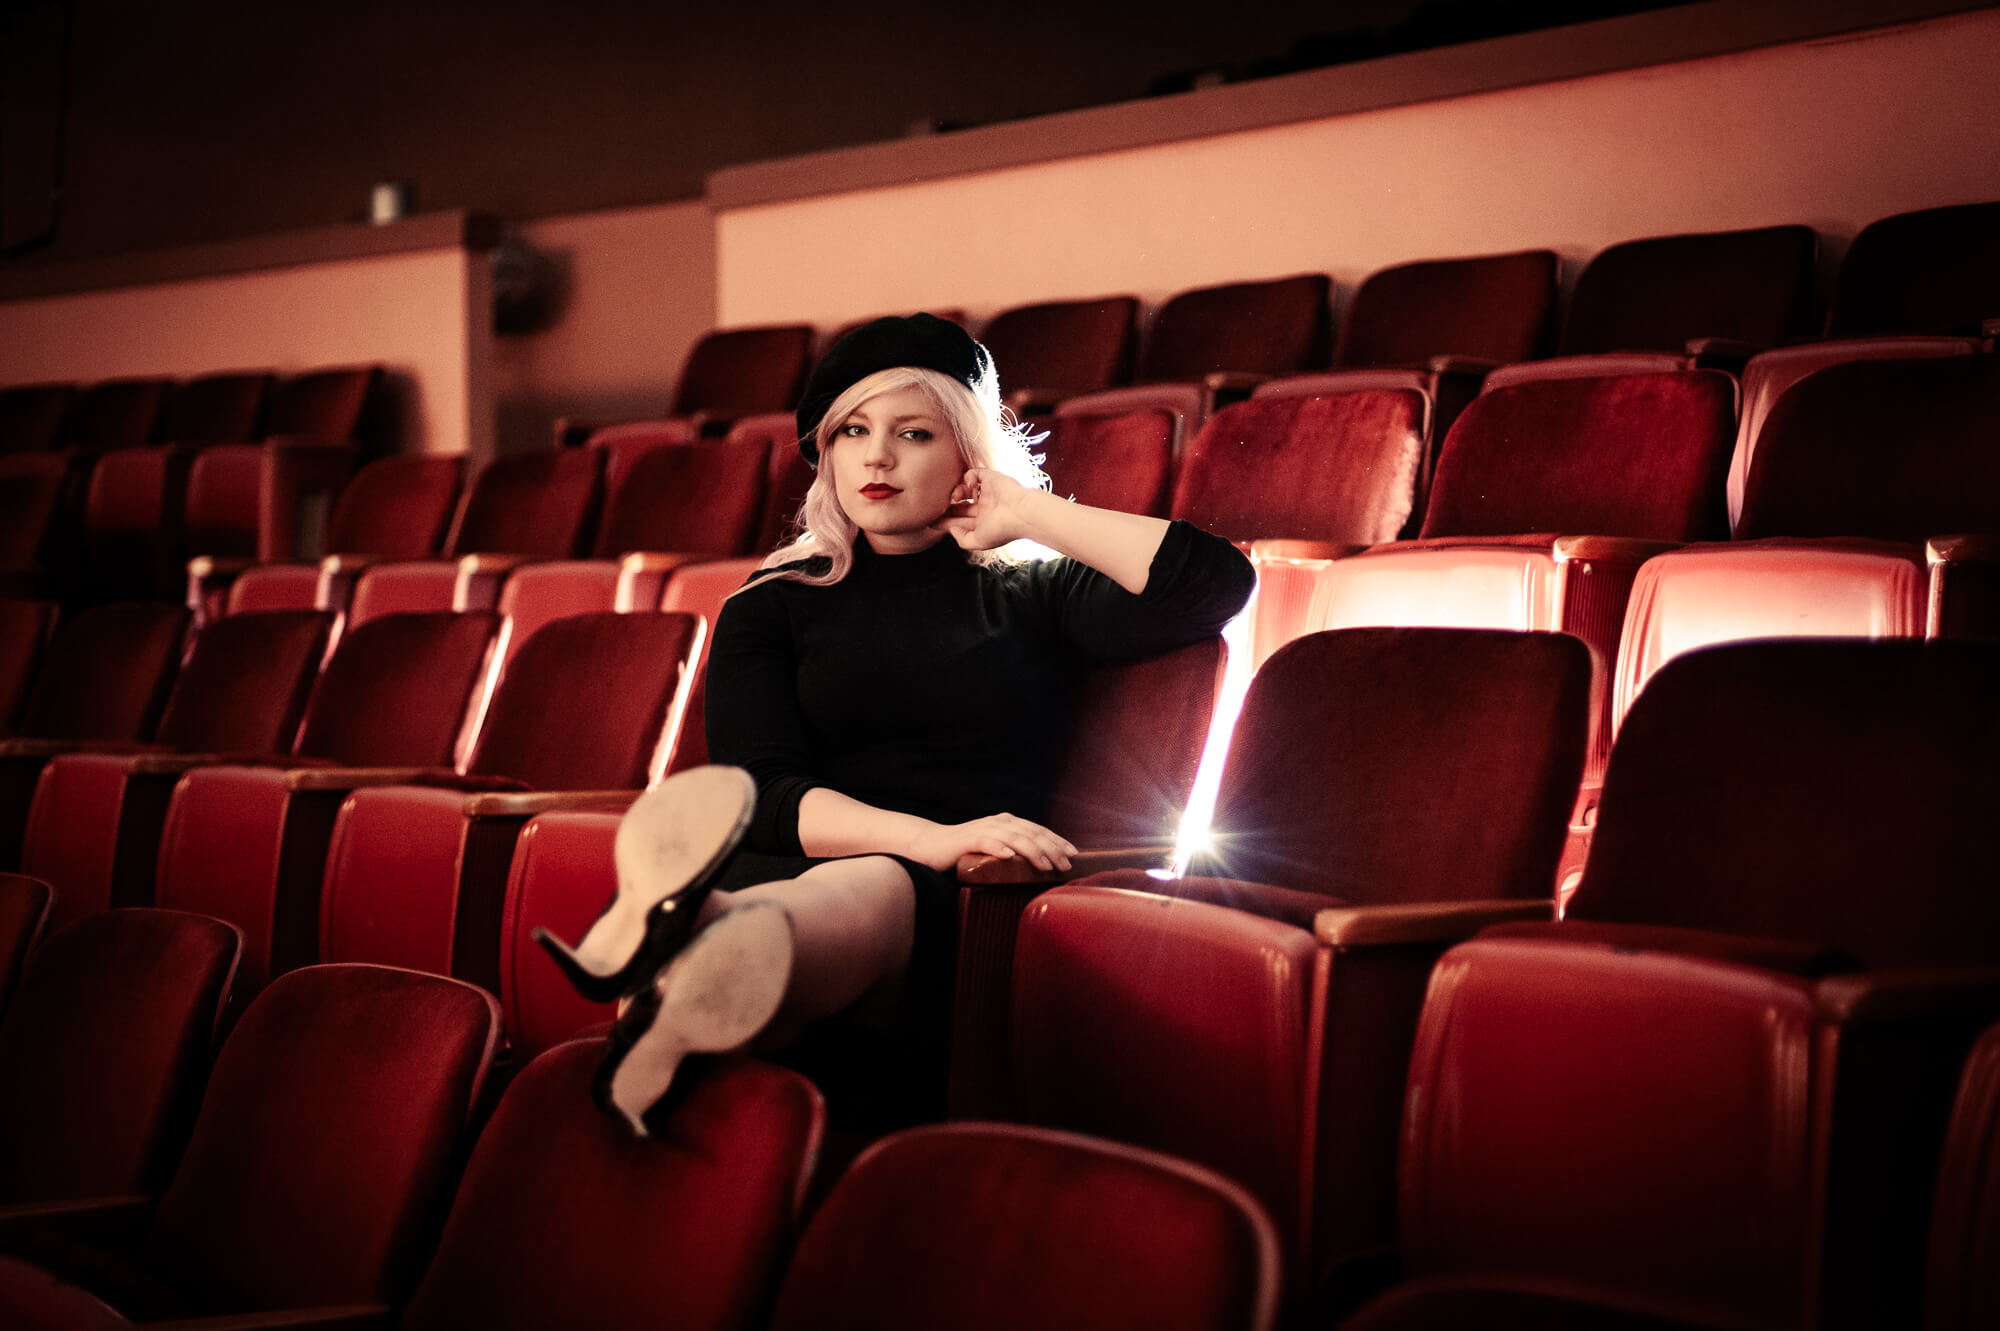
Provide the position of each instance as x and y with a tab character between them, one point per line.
113	413
735	372
1260	328
329	405
104	1050
24	908
1964	1271
692	589
1060	348
95	822
1386	791
332	1126
1935	270
1755	286
31	415
559	878
563	1219
215	408
1095	1235
24	634
1495	307
1123	461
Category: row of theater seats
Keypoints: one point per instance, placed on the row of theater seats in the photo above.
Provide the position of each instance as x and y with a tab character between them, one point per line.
1720	1087
317	1174
105	488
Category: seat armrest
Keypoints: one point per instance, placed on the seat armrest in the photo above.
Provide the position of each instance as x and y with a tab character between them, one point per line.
174	764
220	567
1232	381
1967	548
89	1217
528	803
349	565
1422	922
491	565
358	778
23	746
1477	367
359	1317
976	870
575	431
1722	353
1912	993
1612	549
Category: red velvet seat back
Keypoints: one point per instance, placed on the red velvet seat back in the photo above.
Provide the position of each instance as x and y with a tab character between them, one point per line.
103	1051
395	691
1936	270
564	1219
540	504
398	506
1964	1276
988	1226
1077	345
1276	327
245	684
623	444
224	495
1494	307
1897	450
324	404
697	498
1339	467
745	369
787	477
327	1141
584	700
559	879
113	413
31	415
1134	747
1831	792
33	487
24	635
24	908
1405	765
215	409
1655	294
1122	462
1642	455
106	673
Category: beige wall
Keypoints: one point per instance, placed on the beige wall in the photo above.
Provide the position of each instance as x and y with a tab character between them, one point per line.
1832	133
639	289
422	315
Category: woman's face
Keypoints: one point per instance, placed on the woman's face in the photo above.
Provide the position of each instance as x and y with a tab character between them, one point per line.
895	463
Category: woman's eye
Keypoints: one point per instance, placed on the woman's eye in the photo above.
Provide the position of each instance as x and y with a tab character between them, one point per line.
851	431
919	435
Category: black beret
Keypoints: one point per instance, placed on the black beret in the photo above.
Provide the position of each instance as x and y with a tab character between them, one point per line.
922	340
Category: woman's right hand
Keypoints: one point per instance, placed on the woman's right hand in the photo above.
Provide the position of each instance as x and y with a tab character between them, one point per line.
1001	835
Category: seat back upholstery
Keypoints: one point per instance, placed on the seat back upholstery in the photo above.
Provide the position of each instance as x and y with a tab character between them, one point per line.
1134	747
24	908
1337	467
980	1226
1072	345
215	408
1405	765
787	476
560	876
700	589
34	492
326	404
245	684
1494	307
395	690
106	673
1655	294
563	1219
697	498
1642	455
1123	462
1276	327
586	701
327	1141
104	1049
542	504
1964	1275
397	506
1936	270
31	415
24	635
1896	450
1829	792
114	413
745	369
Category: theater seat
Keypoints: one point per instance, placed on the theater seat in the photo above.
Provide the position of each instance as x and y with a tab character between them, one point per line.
564	1219
1056	349
1755	286
989	1226
1963	1276
1123	462
24	908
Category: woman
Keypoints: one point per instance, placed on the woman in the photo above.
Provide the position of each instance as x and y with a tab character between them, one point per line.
897	684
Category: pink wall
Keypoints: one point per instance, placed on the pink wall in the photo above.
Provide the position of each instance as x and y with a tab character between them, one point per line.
423	315
1833	133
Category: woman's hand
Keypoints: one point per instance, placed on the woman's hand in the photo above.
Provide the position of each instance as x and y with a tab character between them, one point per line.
1001	835
987	510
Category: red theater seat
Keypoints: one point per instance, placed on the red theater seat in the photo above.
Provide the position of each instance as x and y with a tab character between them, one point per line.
1935	270
560	877
1049	351
1494	308
113	413
331	1130
1964	1271
697	589
1123	462
31	415
987	1226
1386	792
735	372
1211	345
103	1053
1657	294
563	1219
25	627
24	909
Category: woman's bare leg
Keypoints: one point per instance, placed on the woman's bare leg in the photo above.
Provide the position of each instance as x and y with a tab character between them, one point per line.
853	924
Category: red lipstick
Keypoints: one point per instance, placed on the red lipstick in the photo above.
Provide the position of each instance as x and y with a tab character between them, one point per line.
879	491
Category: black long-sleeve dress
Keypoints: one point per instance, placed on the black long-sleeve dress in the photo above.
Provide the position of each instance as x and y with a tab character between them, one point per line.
933	686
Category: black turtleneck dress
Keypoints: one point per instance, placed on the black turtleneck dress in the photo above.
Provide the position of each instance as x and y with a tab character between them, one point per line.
933	686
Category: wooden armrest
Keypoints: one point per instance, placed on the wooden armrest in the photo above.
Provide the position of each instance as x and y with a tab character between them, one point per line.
356	778
1222	381
1611	549
1477	367
658	562
349	565
1969	548
1732	349
23	746
575	431
1422	922
528	803
358	1317
86	1217
174	764
220	566
492	565
1901	994
1278	550
981	870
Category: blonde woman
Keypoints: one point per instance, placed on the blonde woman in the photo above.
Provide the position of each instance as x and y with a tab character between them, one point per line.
897	684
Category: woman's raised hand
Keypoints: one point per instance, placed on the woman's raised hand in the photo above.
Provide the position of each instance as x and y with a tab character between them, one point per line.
987	510
1001	835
